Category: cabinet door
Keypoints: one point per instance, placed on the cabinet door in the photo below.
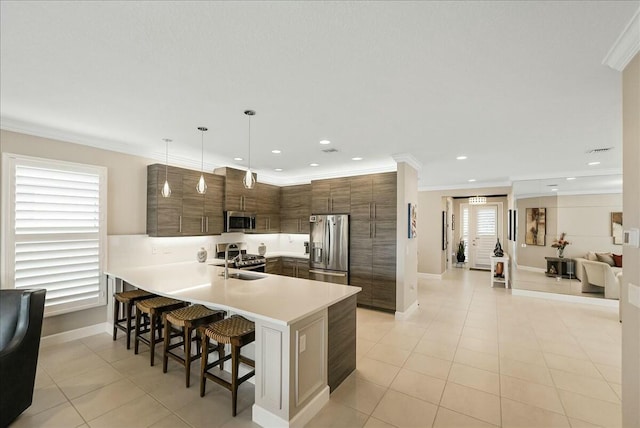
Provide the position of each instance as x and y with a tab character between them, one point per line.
192	205
289	225
384	233
213	205
304	225
360	270
302	269
361	190
288	266
320	196
163	214
385	188
268	198
383	282
268	223
384	212
274	265
340	200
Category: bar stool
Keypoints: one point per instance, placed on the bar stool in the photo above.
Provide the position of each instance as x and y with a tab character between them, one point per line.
186	319
236	331
124	301
153	309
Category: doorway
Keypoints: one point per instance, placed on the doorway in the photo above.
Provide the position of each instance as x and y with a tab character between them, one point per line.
481	228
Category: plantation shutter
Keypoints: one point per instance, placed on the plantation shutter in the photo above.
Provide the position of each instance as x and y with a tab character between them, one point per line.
465	230
58	234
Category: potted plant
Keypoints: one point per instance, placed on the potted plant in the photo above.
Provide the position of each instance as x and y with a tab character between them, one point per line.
460	254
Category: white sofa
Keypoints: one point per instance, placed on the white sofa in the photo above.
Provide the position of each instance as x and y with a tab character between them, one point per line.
597	277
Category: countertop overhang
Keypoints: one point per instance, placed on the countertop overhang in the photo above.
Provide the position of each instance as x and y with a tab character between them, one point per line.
274	298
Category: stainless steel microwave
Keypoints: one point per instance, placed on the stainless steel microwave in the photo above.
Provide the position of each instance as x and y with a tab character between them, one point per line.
239	221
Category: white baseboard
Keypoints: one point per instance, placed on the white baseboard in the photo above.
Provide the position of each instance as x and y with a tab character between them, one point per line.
531	268
401	316
423	275
79	333
566	298
265	418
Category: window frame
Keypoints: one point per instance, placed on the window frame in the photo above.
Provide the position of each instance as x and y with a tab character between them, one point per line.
8	243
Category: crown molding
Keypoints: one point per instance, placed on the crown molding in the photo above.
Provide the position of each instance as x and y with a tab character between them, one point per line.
626	46
29	128
475	185
565	174
568	193
409	159
306	179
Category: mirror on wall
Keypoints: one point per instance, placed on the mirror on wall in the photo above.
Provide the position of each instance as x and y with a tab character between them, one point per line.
582	208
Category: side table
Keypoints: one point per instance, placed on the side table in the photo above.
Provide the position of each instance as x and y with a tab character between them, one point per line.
504	278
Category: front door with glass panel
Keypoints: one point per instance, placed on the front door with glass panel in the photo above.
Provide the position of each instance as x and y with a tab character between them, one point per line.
483	227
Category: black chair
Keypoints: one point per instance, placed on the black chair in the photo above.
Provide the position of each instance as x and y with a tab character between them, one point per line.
21	313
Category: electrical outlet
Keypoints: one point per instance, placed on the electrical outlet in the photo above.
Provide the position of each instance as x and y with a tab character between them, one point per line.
154	250
303	343
524	245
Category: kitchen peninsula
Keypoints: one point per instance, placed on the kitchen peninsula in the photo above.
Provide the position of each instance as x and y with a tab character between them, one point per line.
305	330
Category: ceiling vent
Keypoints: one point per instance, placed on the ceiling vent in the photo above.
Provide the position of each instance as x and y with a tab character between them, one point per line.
601	150
331	150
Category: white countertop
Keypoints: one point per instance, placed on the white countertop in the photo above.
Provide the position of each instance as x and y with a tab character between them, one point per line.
275	298
297	255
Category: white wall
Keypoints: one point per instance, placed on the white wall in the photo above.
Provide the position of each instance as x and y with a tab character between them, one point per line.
631	261
407	249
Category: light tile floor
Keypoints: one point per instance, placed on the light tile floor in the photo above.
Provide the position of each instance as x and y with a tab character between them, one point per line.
470	356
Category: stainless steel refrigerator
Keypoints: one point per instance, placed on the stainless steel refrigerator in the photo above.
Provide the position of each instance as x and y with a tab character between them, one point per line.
329	243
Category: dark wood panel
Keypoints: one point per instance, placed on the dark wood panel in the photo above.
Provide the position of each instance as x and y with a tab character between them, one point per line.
385	188
341	358
274	265
340	195
383	290
289	266
361	190
163	214
320	196
302	269
384	232
289	225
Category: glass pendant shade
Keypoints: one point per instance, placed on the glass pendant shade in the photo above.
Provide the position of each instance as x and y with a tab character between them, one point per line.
248	181
201	187
166	190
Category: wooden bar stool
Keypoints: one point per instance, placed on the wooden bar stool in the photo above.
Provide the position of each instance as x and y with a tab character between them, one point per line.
186	319
153	309
123	304
236	331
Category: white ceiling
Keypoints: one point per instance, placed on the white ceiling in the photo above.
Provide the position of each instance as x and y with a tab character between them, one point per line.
518	87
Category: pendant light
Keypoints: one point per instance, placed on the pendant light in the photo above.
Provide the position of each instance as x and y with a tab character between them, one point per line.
477	200
201	187
166	190
248	181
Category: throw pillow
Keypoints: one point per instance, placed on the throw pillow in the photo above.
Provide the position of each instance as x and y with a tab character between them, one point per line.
606	258
591	256
617	259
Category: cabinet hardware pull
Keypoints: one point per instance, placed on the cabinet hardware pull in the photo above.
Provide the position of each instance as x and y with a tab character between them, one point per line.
207	224
369	210
375	210
180	227
370	230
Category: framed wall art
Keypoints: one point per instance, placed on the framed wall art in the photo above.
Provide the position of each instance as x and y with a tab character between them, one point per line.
413	221
616	228
536	225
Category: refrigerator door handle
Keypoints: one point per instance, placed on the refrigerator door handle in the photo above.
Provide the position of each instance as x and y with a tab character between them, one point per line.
328	273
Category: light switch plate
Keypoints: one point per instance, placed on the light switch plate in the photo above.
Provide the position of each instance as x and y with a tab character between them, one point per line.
634	295
632	237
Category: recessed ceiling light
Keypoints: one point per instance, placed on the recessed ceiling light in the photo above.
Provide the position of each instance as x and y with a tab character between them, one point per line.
325	142
238	159
593	163
471	180
278	169
314	164
276	151
461	157
571	178
357	158
554	190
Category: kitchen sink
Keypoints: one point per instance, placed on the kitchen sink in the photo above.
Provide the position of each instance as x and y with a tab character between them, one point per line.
245	276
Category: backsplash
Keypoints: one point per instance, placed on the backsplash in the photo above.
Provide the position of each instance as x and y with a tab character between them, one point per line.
142	250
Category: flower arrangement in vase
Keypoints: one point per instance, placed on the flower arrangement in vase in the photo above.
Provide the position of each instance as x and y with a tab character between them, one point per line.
560	243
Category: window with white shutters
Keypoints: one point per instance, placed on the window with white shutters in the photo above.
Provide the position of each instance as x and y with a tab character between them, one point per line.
486	220
56	229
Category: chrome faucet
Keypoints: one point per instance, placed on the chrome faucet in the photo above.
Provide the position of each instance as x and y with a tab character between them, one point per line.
226	257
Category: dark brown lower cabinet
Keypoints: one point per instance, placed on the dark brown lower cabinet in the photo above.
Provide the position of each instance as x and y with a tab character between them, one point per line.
274	265
295	267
